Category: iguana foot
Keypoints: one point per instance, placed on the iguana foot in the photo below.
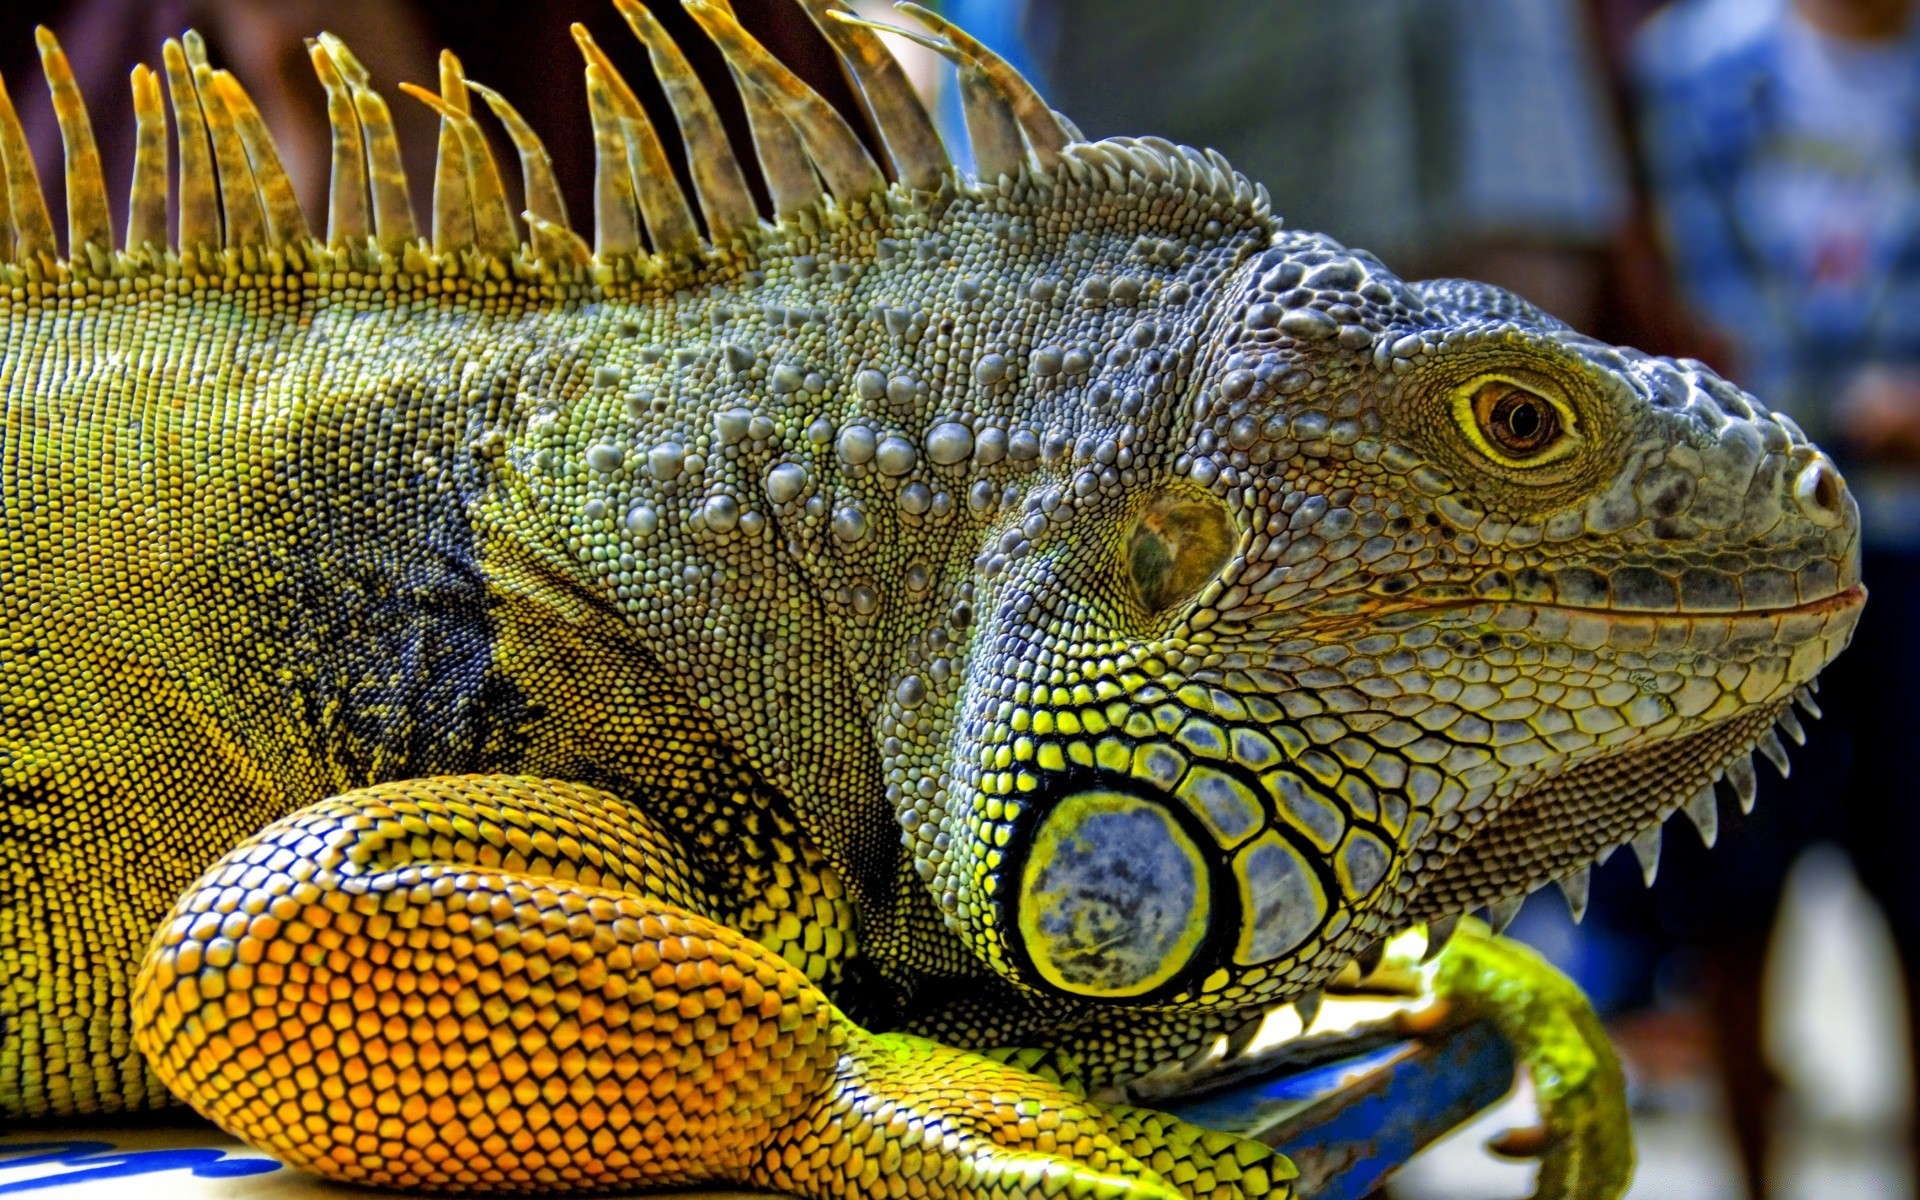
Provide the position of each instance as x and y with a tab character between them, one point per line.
1584	1142
493	983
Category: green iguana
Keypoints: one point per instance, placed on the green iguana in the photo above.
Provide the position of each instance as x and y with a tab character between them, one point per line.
811	702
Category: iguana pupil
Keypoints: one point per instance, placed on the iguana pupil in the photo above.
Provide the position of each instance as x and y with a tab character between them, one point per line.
1520	422
1523	420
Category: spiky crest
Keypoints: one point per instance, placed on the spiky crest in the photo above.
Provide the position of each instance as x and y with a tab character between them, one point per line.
237	211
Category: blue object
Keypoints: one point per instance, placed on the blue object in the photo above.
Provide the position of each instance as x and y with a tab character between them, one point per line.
88	1161
1349	1124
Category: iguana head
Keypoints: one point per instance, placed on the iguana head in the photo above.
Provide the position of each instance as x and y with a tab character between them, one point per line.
1423	600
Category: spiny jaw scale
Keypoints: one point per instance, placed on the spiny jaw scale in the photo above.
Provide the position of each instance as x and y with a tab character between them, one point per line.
1701	808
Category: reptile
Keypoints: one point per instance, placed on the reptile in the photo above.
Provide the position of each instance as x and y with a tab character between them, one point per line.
818	699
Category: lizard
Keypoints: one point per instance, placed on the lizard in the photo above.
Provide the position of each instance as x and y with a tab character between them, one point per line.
818	699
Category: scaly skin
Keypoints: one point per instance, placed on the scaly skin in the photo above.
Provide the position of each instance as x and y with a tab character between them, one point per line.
807	710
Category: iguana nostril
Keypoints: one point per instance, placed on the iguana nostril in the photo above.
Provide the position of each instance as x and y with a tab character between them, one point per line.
1821	493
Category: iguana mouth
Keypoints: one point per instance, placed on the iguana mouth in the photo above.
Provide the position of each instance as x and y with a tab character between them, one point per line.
1585	626
1350	610
1851	597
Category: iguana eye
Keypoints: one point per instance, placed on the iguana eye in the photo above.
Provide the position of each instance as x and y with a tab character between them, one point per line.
1180	544
1514	425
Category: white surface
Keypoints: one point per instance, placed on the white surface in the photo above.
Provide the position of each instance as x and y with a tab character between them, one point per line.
1836	1030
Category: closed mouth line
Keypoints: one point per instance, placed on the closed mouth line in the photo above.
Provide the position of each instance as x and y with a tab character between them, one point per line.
1848	598
1852	597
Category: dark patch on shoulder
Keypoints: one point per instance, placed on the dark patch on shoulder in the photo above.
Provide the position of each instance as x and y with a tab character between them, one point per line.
380	628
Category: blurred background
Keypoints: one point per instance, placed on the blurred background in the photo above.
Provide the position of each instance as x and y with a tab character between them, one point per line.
1732	180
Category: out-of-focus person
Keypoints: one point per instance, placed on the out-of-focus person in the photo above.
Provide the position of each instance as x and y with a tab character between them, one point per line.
1782	140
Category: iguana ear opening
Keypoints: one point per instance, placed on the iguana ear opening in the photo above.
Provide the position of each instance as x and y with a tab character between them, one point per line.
1181	542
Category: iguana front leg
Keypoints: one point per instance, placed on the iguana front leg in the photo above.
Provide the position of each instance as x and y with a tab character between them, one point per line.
501	983
1585	1139
903	1109
1584	1142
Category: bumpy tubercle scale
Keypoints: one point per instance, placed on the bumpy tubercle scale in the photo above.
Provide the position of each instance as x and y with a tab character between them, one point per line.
819	551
